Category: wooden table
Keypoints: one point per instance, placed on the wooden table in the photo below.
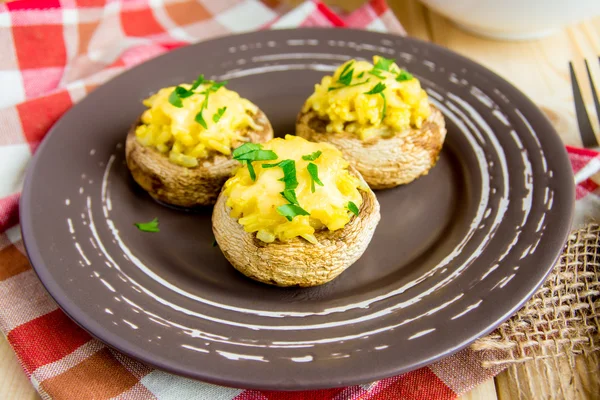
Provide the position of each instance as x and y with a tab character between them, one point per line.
539	68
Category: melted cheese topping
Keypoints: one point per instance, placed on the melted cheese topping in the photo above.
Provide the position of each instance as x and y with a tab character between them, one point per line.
174	131
349	109
255	203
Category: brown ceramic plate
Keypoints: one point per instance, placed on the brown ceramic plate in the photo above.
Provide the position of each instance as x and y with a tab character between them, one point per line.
455	254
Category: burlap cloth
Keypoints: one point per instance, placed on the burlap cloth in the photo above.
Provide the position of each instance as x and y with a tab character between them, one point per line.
551	345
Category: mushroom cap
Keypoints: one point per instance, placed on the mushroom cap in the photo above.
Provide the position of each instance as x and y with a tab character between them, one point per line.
182	186
383	162
296	262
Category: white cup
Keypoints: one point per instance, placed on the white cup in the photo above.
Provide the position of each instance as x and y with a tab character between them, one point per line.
514	19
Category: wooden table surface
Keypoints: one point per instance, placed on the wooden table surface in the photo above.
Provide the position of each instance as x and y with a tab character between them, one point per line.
539	68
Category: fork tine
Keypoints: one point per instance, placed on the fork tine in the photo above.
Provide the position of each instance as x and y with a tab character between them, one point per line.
594	91
585	127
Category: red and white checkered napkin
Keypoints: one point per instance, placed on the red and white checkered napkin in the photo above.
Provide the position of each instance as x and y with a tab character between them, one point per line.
52	53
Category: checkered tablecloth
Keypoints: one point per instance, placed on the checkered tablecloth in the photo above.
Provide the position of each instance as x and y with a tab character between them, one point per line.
54	52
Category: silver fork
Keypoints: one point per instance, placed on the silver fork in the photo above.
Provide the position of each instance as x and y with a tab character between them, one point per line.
583	119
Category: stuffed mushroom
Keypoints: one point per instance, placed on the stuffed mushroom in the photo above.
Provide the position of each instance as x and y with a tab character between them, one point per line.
179	151
296	213
379	117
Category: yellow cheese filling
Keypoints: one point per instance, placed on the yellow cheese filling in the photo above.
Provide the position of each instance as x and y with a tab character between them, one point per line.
257	203
175	131
370	100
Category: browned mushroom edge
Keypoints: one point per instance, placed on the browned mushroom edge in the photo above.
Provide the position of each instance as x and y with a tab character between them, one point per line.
296	262
182	186
383	162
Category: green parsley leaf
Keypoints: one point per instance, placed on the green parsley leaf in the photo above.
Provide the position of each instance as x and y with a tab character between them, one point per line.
341	87
249	152
246	148
312	156
346	74
175	100
217	116
200	119
376	73
186	94
250	169
291	183
215	86
313	170
353	208
151	226
347	67
380	87
257	155
289	211
180	93
360	75
197	82
289	173
270	165
176	95
404	76
290	195
384	63
347	78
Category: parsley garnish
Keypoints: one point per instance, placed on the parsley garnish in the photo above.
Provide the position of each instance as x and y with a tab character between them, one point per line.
176	96
312	156
200	119
360	75
249	152
353	208
197	82
313	170
289	211
384	63
246	148
345	79
217	116
257	155
289	173
354	84
290	195
250	170
404	76
346	74
291	183
211	89
180	92
378	89
376	73
151	226
347	67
